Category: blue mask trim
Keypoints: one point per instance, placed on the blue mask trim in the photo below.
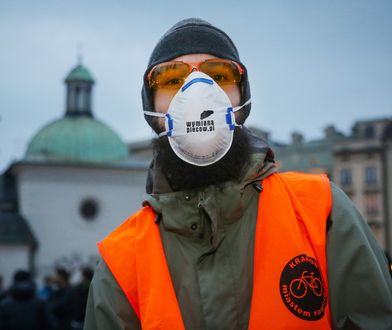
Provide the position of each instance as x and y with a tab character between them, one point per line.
170	124
195	80
228	118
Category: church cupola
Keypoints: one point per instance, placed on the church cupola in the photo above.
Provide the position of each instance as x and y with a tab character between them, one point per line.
77	137
79	91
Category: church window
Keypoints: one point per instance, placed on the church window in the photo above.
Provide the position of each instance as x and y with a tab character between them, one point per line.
89	209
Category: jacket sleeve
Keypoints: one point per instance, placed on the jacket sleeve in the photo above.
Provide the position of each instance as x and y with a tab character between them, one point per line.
360	284
107	306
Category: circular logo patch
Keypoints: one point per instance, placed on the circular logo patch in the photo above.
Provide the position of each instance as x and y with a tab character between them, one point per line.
302	288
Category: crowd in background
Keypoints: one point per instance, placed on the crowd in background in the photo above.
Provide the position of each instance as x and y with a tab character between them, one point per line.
56	305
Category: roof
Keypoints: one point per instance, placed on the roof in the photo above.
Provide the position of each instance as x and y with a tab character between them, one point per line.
8	195
79	73
15	230
77	139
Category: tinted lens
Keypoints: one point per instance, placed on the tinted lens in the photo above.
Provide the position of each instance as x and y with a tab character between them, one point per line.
168	75
223	72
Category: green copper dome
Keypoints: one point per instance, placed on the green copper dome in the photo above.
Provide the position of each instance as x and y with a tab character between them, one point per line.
77	139
79	73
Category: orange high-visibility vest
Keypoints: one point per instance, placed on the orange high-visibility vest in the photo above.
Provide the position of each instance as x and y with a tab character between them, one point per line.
290	270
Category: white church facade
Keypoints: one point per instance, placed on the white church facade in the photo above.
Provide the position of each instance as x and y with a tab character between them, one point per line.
76	182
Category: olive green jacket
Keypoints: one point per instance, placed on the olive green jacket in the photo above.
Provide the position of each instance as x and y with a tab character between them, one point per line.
208	238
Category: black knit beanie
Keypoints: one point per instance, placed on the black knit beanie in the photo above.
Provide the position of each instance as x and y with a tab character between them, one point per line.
189	36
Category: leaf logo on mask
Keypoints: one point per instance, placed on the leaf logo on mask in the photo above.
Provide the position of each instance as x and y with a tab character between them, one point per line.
206	114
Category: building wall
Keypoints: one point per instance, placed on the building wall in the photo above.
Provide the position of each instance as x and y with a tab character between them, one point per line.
50	199
12	258
368	198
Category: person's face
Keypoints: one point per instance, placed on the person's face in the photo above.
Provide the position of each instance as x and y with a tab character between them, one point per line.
162	98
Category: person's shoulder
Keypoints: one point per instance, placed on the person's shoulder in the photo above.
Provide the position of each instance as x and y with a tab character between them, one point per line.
307	185
130	225
122	239
339	194
103	279
343	207
298	177
7	300
346	220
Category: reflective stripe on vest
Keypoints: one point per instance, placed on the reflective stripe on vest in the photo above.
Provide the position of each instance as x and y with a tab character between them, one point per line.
290	269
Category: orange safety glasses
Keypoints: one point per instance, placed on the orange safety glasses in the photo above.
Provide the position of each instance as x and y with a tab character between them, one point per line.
171	75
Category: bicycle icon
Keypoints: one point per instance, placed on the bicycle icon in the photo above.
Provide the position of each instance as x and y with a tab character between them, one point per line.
299	286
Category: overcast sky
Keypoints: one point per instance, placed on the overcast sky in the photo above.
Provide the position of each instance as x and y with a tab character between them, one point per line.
311	63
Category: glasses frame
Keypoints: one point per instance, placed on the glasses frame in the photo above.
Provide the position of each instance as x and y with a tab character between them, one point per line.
194	66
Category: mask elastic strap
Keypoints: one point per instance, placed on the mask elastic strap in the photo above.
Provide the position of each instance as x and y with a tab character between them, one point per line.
241	106
169	121
155	114
230	115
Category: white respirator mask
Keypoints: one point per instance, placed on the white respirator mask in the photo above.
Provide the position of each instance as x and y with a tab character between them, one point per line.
200	120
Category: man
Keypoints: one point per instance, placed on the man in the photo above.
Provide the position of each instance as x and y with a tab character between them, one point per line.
60	300
79	298
22	309
223	241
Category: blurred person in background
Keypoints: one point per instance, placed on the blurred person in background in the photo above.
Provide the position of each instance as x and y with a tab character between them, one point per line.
46	290
3	291
22	310
223	240
60	300
79	298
